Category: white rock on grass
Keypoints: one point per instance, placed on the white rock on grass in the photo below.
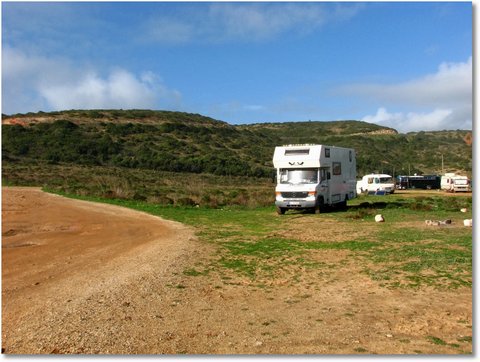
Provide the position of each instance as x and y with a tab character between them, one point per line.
467	222
379	218
438	222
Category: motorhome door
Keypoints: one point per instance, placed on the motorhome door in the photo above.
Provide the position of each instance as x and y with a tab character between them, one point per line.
325	183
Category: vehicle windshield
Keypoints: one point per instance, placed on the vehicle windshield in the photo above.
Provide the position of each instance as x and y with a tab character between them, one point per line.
386	180
299	176
461	182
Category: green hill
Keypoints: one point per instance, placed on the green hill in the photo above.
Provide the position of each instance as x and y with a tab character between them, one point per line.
381	149
183	142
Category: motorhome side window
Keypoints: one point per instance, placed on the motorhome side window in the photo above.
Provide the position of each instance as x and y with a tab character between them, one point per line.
327	152
337	168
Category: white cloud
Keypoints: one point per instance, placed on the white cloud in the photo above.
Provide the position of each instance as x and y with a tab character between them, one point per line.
164	30
23	74
260	22
451	84
120	89
222	22
442	100
32	83
409	122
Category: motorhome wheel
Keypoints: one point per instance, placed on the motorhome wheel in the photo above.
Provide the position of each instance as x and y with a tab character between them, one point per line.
320	206
281	210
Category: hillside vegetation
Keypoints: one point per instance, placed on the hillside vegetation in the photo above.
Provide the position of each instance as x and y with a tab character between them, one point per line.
182	159
102	143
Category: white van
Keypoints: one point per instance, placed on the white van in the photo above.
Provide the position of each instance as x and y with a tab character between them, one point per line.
455	183
314	176
376	183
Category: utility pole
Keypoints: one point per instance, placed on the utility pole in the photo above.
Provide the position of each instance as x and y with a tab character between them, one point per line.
443	170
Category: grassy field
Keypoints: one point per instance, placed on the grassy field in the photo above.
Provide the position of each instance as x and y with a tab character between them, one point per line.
151	186
253	281
257	245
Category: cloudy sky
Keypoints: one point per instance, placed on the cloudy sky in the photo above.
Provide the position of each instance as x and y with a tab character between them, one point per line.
402	65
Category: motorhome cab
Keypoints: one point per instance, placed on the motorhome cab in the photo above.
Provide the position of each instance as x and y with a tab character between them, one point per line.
314	176
455	183
376	183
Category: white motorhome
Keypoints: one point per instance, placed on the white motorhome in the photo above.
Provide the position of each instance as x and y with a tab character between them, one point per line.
376	183
451	182
314	176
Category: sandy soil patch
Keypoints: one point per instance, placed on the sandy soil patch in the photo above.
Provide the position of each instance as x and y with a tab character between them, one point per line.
57	254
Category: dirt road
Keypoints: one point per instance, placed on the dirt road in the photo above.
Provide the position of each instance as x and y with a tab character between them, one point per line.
79	277
61	257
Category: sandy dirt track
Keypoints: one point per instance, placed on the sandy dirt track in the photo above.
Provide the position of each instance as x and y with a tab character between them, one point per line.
58	254
81	277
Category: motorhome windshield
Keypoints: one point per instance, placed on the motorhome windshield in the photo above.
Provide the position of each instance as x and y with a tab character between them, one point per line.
386	180
299	176
461	181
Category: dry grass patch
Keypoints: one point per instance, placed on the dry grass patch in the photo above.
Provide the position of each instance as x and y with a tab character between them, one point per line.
325	228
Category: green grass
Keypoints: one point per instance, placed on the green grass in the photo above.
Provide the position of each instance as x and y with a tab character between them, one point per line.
436	340
193	272
360	350
397	207
252	243
437	257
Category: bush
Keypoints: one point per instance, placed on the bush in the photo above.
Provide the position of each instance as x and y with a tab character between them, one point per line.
160	199
185	201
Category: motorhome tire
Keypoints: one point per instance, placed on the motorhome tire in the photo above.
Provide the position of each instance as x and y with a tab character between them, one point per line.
281	210
320	206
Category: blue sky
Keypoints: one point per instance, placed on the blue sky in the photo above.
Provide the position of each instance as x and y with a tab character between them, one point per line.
405	65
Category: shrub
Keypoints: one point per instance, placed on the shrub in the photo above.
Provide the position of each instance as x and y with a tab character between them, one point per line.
185	201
